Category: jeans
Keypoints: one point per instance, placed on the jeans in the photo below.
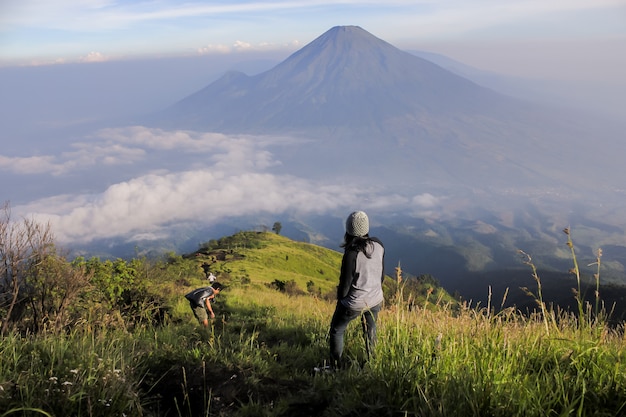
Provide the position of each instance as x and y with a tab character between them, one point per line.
341	318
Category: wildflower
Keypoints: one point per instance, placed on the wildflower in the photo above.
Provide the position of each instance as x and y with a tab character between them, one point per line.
66	383
53	379
74	371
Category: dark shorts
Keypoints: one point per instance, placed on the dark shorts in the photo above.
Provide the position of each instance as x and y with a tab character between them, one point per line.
200	312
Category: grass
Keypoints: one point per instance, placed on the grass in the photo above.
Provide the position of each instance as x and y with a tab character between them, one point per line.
258	355
279	258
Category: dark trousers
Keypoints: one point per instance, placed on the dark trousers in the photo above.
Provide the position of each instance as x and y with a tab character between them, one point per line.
341	318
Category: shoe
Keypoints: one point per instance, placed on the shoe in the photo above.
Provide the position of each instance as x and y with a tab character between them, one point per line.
324	369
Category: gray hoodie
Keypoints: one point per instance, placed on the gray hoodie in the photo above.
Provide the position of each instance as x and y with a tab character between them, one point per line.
360	282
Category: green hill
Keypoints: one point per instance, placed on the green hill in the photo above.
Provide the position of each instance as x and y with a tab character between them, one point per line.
263	257
296	267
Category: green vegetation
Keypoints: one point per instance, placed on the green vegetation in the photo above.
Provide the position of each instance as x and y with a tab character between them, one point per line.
128	345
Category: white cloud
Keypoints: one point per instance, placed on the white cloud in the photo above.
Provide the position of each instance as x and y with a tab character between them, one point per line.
425	200
29	164
211	49
93	57
232	182
240	45
131	145
86	156
149	203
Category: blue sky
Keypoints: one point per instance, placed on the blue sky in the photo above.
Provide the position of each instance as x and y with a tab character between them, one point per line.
479	32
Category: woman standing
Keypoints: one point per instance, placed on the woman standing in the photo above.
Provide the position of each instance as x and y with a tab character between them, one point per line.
360	292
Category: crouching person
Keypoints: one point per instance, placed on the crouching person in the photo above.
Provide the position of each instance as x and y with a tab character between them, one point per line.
200	302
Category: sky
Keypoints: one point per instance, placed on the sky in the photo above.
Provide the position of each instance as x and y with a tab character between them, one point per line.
64	61
499	35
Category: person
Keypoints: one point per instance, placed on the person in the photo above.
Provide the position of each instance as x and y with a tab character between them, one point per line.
206	268
360	292
200	302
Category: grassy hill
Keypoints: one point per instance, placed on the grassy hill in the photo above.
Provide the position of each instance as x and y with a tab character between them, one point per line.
434	357
295	267
266	257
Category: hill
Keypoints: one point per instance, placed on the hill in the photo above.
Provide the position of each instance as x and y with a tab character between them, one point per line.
263	257
296	268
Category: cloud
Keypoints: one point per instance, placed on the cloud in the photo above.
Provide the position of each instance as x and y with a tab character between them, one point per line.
425	200
29	165
232	181
150	203
241	46
212	49
135	144
86	156
93	57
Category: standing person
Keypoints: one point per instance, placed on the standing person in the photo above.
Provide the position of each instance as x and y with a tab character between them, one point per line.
200	302
360	292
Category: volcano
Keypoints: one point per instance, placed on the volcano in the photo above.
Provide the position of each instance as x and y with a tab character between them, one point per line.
356	100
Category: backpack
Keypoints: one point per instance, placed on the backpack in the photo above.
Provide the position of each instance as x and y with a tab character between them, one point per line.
197	296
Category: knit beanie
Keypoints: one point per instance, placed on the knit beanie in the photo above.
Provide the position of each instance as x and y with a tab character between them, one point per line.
357	224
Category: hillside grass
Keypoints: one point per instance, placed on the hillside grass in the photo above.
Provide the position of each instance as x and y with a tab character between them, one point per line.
266	257
433	358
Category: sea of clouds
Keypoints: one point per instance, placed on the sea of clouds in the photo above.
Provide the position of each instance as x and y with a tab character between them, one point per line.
178	177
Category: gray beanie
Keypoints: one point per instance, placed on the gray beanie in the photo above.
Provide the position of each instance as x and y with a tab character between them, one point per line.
357	224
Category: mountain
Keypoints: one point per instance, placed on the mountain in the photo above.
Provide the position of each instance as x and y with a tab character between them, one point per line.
346	78
351	93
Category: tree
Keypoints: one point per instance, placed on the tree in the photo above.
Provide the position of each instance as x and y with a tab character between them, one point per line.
23	245
277	227
38	286
53	286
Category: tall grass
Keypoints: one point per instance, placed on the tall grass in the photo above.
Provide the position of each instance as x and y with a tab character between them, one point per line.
263	347
258	355
499	366
74	374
